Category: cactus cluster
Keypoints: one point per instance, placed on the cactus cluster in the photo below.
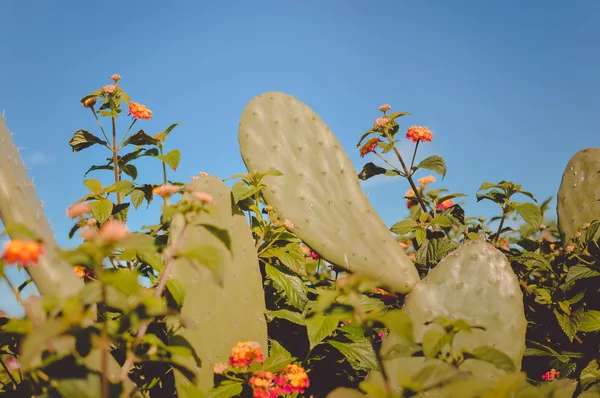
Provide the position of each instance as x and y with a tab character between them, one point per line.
232	307
579	194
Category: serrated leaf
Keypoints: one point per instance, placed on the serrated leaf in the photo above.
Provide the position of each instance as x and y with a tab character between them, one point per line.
577	272
590	374
399	323
319	327
290	255
433	163
102	167
171	159
404	227
293	287
141	138
360	354
102	209
420	235
94	185
590	321
229	390
291	316
530	213
570	324
84	139
487	185
370	170
137	197
434	341
278	358
442	221
493	356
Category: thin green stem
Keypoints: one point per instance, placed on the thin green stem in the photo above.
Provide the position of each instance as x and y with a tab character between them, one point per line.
115	151
504	214
12	378
126	133
270	244
164	169
406	171
389	164
412	162
99	124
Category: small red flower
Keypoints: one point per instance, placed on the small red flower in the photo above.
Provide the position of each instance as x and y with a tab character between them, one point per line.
22	252
419	133
446	204
553	374
314	255
369	146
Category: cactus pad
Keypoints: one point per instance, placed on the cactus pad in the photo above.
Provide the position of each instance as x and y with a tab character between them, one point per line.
19	204
579	193
319	190
477	284
222	315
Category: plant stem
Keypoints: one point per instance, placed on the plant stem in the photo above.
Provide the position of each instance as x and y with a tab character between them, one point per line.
126	133
504	213
412	162
115	150
100	124
12	378
406	171
164	168
158	292
105	350
389	164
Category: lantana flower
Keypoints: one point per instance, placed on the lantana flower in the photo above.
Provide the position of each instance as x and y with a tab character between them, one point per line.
244	353
22	252
139	111
369	146
419	133
425	181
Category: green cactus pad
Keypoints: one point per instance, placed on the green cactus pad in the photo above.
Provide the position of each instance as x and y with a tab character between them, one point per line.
319	190
477	284
579	193
221	316
19	204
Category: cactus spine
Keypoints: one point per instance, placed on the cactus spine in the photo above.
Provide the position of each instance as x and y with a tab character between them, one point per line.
234	310
579	193
319	190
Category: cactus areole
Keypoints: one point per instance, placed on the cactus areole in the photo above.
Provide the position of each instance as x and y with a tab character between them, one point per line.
579	194
319	191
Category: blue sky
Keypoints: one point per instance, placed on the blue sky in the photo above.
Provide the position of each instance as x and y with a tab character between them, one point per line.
510	89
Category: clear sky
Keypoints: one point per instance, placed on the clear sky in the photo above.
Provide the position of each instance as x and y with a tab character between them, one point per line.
509	88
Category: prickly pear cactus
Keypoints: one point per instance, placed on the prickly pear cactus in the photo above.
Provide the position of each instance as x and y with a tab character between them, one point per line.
579	193
20	204
319	190
234	310
477	284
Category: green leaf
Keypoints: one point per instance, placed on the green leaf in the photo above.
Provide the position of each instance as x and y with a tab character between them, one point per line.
590	374
434	374
83	139
93	168
399	323
291	285
290	255
170	128
137	197
530	213
570	324
540	350
94	185
122	186
370	170
433	163
420	235
229	390
278	358
35	342
590	321
141	138
189	391
124	280
493	356
209	257
291	316
577	272
220	233
177	291
404	227
360	354
171	159
241	192
434	341
102	209
319	327
130	170
442	221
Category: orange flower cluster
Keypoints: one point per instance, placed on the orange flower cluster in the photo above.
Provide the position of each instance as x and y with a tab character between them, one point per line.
553	374
369	146
244	353
139	111
425	181
293	379
22	252
419	133
446	204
